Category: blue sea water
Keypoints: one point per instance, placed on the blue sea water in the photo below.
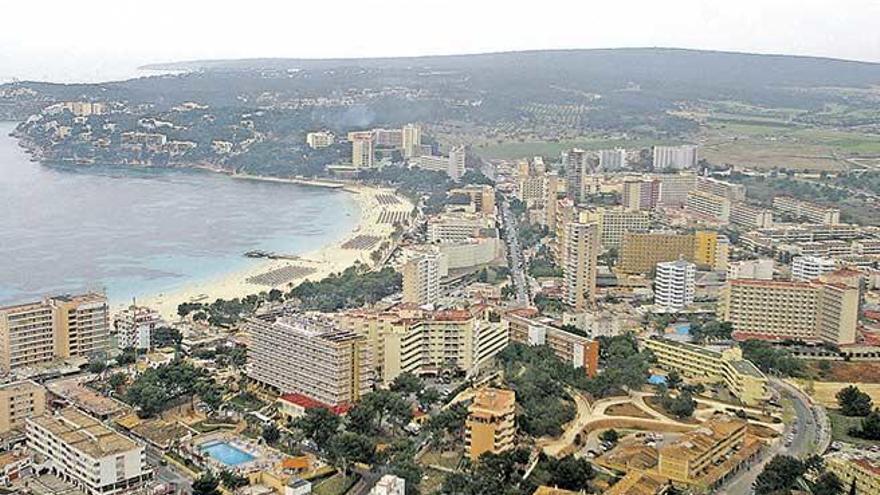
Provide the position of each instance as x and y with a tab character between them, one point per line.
136	232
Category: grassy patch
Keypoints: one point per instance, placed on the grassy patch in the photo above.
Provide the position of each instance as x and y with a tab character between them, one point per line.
449	459
840	426
334	485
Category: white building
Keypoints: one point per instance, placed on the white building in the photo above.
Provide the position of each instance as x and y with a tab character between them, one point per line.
412	140
362	152
761	269
806	268
611	160
421	279
389	485
674	285
677	157
80	449
134	326
321	139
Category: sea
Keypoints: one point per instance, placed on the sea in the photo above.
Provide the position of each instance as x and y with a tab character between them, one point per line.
143	231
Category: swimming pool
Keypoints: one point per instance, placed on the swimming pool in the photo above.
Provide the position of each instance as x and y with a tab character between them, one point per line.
657	380
226	453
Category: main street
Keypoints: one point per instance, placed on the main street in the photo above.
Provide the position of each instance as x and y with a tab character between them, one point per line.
514	255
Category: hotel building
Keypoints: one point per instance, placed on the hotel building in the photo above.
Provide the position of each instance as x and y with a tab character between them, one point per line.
611	160
761	269
641	194
490	425
19	401
423	342
708	206
780	310
82	451
457	226
812	212
705	365
746	215
853	470
60	327
806	268
674	285
614	223
362	149
134	326
421	279
694	456
579	269
412	140
482	197
321	139
676	157
310	357
577	350
675	187
715	187
640	252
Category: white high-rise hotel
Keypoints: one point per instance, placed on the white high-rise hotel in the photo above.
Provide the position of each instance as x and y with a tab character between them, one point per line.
421	279
677	157
674	284
581	250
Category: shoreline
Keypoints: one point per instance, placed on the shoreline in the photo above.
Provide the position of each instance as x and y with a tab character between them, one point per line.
324	261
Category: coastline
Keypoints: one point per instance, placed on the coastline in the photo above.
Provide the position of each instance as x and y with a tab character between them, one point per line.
324	261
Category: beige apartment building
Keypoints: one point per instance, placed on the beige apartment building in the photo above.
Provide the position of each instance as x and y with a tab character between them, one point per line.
640	252
421	278
614	223
675	187
579	269
19	401
693	457
812	212
706	365
781	310
84	452
311	357
577	350
746	215
728	190
482	197
59	327
708	206
491	422
640	194
406	339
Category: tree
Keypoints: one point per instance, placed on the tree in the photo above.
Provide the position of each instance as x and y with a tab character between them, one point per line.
116	380
97	366
610	436
206	484
827	484
347	447
681	406
271	434
779	475
570	473
406	383
673	380
319	425
165	337
232	480
854	402
870	428
128	356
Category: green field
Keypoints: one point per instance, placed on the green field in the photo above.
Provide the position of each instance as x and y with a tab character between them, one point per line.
841	424
334	485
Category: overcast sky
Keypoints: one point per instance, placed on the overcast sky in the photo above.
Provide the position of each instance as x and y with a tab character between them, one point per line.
88	40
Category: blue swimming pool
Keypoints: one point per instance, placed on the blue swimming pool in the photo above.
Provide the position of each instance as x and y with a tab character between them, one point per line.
226	453
657	380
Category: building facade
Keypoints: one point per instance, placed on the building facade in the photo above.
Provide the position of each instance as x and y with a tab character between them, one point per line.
421	279
569	347
675	157
19	401
490	425
674	285
310	357
579	270
806	268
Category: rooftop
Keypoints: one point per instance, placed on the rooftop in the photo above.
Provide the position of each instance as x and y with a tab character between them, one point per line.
493	400
696	443
84	433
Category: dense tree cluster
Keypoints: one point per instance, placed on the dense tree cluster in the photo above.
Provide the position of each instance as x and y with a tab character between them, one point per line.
854	402
771	359
356	286
158	388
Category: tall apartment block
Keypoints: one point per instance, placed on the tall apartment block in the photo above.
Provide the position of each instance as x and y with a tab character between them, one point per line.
134	325
80	449
806	268
676	157
362	149
490	425
310	357
640	252
58	327
412	140
674	285
781	310
577	168
675	187
746	215
641	194
709	206
611	160
728	190
811	212
581	251
421	279
761	269
614	223
19	401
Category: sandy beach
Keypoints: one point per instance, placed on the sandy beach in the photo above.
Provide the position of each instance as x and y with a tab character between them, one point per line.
376	206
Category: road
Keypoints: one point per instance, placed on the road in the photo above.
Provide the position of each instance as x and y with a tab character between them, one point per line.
810	433
514	256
